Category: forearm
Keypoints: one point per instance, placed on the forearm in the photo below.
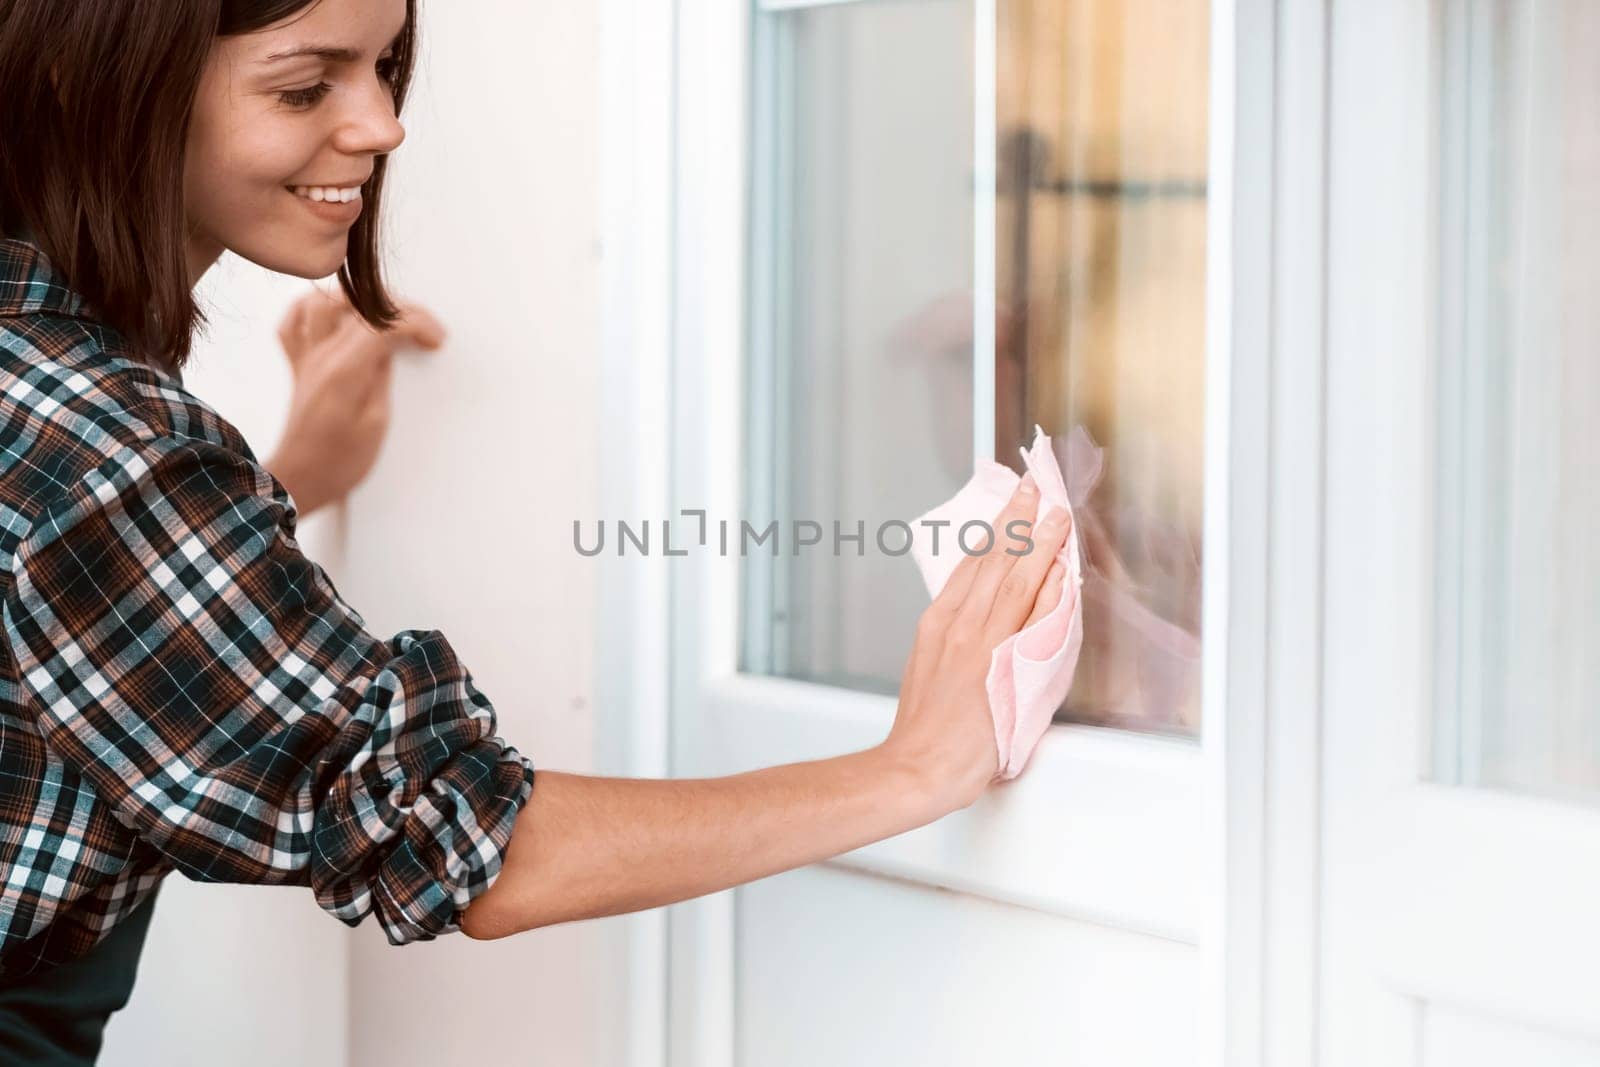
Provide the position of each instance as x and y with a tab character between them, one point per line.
585	847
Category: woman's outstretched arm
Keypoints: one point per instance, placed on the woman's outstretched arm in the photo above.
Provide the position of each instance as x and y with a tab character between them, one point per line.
584	847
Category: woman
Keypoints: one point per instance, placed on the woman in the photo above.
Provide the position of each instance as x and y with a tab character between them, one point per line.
183	689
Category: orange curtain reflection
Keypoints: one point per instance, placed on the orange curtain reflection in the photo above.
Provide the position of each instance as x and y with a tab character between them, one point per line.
1102	109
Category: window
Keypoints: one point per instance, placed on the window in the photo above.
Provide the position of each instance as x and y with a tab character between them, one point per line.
1517	508
861	321
861	317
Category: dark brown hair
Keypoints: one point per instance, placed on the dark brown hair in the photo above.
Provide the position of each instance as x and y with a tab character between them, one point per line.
95	102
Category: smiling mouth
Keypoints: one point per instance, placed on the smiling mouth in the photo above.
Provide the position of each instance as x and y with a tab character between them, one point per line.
327	194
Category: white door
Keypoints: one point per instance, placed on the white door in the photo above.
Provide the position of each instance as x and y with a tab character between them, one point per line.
1462	821
905	231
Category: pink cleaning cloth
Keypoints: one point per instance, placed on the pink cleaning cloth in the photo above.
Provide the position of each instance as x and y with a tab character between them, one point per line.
1031	671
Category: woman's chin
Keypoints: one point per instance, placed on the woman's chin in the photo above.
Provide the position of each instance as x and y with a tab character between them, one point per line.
312	260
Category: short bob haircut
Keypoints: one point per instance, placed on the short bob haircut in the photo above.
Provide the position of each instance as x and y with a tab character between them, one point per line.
95	102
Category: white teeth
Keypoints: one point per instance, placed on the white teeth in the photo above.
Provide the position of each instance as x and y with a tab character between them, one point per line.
327	193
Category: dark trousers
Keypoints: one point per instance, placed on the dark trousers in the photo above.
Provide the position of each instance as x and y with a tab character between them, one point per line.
57	1017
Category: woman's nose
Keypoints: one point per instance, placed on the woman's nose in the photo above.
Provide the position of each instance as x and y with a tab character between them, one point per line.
371	126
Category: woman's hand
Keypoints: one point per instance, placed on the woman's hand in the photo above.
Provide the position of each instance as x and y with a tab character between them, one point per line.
339	408
943	726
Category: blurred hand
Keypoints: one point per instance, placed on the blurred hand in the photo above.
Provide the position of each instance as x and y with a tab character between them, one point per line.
339	408
943	725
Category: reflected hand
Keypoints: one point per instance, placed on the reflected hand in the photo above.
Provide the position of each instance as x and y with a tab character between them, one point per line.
339	409
943	725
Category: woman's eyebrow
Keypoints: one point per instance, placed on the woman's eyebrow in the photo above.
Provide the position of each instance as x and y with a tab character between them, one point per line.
331	53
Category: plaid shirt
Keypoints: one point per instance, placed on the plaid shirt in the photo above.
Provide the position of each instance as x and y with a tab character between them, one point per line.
181	688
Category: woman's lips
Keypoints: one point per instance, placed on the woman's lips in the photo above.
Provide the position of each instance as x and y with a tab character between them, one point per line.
332	210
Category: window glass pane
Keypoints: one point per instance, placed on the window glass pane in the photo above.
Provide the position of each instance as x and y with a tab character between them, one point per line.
1517	620
862	331
1101	232
861	270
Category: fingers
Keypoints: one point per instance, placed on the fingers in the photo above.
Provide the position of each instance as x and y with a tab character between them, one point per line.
1049	594
1004	551
318	314
1020	589
311	319
418	325
956	587
350	356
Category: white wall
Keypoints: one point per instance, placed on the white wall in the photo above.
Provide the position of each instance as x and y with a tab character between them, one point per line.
464	526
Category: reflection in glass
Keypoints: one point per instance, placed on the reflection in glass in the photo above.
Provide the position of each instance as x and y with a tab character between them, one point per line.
1100	256
1517	528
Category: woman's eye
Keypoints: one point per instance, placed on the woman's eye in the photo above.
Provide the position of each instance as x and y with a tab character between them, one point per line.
388	69
305	97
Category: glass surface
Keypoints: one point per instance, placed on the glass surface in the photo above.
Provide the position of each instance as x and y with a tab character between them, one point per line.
861	272
861	320
1517	528
1101	246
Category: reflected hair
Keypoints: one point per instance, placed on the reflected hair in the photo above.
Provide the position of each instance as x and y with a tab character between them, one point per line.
98	96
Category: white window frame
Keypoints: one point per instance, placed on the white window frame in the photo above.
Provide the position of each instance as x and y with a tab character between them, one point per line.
1205	832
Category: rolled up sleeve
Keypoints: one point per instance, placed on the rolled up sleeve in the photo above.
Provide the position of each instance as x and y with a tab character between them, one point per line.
228	705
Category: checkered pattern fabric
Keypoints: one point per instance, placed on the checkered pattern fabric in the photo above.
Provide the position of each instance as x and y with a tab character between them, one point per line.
182	689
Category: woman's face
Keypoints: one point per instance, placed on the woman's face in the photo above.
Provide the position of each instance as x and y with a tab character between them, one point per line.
287	125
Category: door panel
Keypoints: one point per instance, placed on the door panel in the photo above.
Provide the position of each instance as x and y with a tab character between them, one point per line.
854	970
1454	904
